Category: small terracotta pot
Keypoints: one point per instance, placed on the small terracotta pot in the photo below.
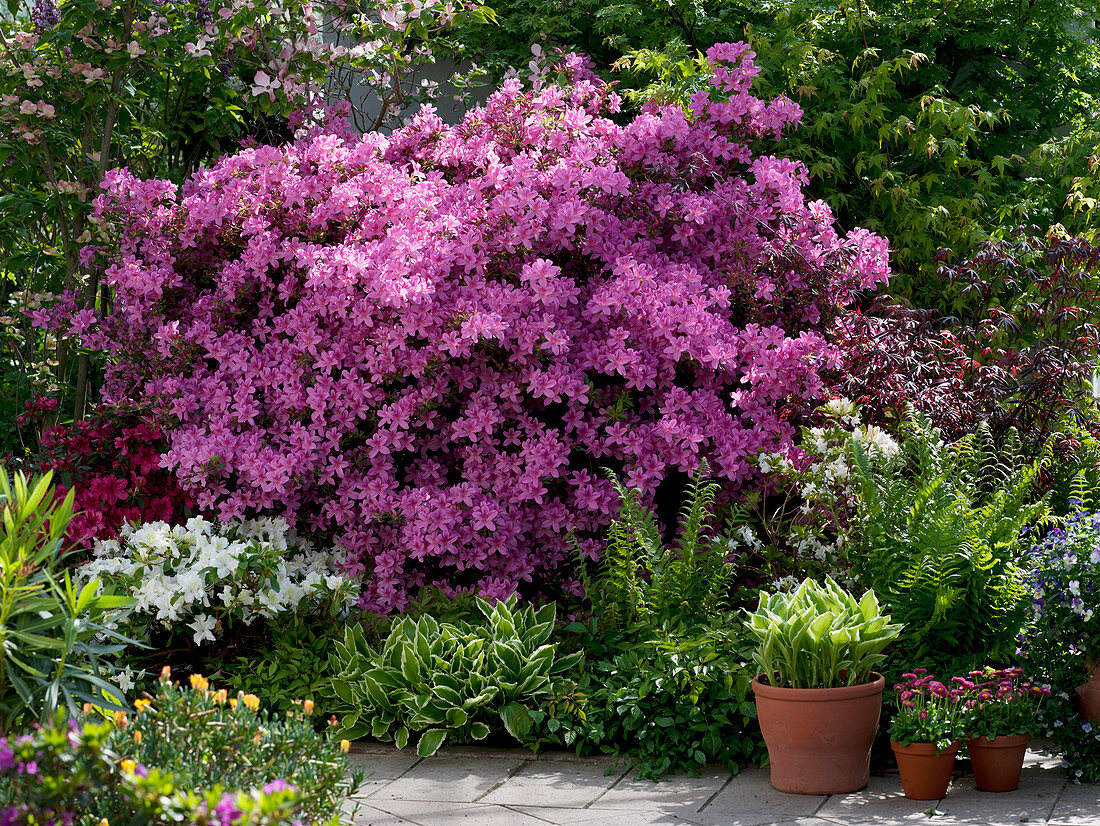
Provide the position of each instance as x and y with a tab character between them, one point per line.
819	739
925	774
1089	692
997	762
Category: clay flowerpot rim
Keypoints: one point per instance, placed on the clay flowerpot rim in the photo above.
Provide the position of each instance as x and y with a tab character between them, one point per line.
1000	740
845	692
925	747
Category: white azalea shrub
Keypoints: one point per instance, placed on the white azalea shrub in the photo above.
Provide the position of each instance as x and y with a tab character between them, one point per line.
206	576
809	498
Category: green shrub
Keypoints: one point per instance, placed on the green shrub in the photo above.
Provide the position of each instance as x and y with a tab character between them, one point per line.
670	701
818	636
49	656
186	755
641	582
938	539
454	681
297	662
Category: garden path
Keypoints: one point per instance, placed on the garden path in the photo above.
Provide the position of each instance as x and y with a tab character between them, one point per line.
484	787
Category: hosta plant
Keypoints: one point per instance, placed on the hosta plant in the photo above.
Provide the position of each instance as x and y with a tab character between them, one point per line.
457	681
819	636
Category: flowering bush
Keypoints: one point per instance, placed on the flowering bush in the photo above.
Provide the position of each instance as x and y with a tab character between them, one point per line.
112	461
163	88
928	711
805	508
1062	643
430	344
1000	702
209	576
1065	590
155	766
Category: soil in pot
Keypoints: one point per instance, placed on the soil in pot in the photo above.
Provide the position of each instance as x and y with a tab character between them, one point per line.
925	773
997	762
819	739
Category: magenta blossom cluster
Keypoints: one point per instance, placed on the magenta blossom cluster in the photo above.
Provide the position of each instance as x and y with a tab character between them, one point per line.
431	345
929	710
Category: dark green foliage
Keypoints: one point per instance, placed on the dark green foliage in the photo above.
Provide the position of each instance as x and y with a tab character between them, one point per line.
668	701
643	582
938	541
297	664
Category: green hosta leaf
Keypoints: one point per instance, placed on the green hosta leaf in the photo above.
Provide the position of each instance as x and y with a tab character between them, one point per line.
479	731
401	737
411	668
517	721
430	742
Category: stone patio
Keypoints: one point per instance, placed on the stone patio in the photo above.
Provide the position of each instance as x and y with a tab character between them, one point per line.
483	787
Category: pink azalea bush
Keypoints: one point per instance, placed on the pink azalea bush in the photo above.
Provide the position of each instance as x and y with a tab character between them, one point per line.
430	345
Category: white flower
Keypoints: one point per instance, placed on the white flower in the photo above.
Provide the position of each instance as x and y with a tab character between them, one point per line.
191	587
203	626
872	438
125	680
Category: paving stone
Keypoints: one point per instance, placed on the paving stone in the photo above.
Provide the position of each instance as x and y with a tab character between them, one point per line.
364	815
1079	805
703	819
676	794
596	817
571	784
434	813
751	793
882	801
1033	802
383	766
447	779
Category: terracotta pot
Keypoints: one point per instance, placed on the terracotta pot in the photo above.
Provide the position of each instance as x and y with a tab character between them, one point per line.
1089	692
819	739
997	762
925	774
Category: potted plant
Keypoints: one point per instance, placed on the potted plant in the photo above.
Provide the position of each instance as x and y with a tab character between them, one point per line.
1000	719
924	733
818	698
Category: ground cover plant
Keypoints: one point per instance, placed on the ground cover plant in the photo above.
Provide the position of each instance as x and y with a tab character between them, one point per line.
636	296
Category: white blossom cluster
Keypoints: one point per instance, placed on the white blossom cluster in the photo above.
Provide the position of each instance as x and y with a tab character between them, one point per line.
811	491
207	574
